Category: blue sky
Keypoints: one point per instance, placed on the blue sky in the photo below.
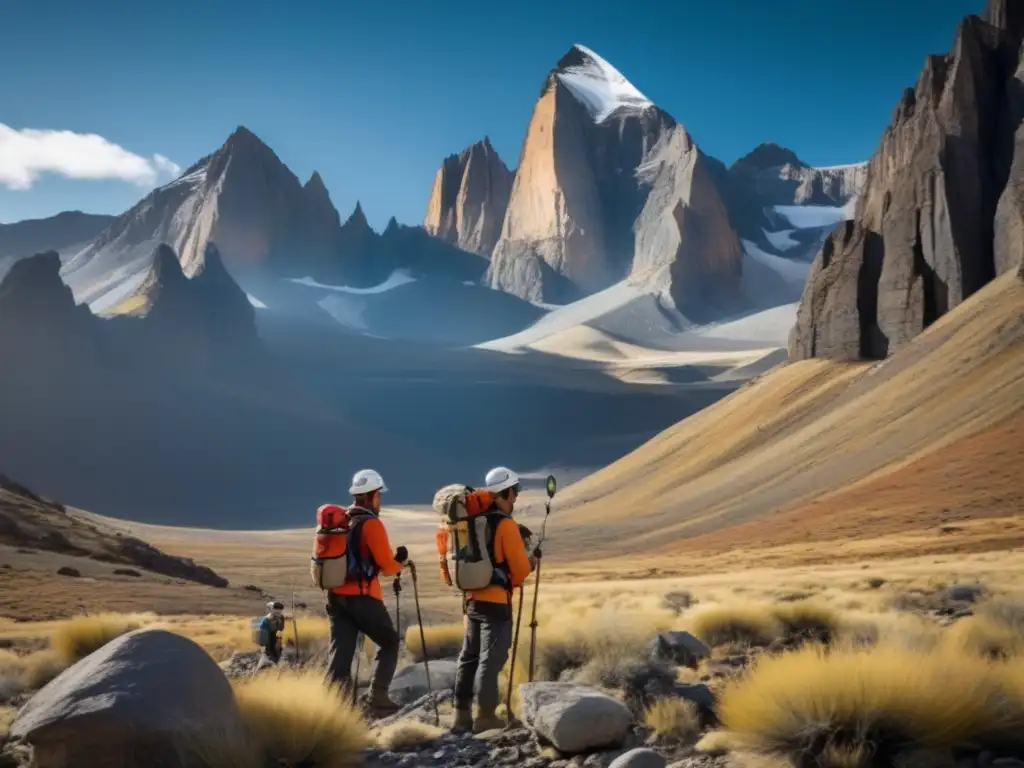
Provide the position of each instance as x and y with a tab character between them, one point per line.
374	94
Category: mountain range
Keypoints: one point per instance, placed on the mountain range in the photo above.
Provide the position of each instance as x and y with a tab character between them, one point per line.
232	324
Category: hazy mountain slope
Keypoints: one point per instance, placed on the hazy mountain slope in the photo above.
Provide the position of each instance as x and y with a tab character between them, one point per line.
819	432
64	232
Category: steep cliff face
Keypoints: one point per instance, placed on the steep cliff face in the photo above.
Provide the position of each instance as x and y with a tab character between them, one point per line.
467	204
941	212
779	177
581	215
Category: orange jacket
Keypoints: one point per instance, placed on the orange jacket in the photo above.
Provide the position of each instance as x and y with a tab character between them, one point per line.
508	549
373	544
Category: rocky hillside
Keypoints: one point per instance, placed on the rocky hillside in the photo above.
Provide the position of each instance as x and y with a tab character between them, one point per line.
30	521
467	204
941	213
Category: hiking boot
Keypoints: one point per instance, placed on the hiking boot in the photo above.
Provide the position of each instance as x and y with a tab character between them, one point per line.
463	721
378	704
487	721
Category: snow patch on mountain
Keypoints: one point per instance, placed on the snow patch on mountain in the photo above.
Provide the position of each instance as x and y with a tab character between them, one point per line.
810	216
790	271
600	86
781	240
770	326
397	278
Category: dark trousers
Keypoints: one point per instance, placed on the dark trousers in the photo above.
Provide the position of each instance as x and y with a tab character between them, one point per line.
485	648
350	615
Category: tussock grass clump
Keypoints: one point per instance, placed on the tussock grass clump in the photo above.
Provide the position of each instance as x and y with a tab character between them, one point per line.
7	715
296	717
726	623
880	700
407	734
76	638
443	641
19	674
672	719
715	743
809	618
981	636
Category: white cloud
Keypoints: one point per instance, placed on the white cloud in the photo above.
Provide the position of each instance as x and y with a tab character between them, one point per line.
28	153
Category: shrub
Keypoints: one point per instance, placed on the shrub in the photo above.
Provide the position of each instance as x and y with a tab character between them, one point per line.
750	623
981	636
677	602
673	719
76	638
808	618
296	717
879	700
406	734
443	640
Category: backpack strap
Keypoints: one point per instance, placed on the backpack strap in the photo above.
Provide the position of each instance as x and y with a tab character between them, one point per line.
364	567
494	518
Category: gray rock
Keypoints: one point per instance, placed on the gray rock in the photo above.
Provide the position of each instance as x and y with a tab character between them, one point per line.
680	648
574	718
410	683
639	758
698	693
967	593
148	688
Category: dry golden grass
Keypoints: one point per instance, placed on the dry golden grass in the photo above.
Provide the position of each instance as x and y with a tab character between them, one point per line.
75	639
406	734
675	720
880	700
809	617
443	640
740	622
28	672
715	743
7	715
297	718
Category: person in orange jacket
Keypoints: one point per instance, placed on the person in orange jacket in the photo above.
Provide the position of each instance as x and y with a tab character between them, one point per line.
488	619
358	605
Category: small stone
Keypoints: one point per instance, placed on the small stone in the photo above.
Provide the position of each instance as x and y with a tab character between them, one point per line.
639	758
68	571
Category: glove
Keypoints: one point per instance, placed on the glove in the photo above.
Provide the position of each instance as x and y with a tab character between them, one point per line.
525	532
401	554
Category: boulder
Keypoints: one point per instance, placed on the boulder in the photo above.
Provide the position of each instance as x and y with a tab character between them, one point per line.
639	758
965	593
574	718
67	570
680	648
410	683
147	692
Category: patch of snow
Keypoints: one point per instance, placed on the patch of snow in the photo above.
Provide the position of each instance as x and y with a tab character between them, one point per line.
468	282
255	302
397	278
568	316
847	167
771	326
601	87
344	312
194	179
812	216
790	271
781	239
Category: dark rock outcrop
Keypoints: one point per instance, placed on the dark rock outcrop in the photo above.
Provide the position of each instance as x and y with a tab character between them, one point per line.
40	324
467	204
941	213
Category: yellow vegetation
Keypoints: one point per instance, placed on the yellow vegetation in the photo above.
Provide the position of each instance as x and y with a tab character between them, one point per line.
715	743
77	638
673	719
877	699
27	673
405	734
299	719
6	718
443	640
740	622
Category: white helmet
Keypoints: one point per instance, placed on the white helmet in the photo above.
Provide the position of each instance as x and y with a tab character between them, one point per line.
367	481
500	478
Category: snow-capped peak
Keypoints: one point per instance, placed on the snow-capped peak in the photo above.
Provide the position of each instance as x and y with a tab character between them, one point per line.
599	85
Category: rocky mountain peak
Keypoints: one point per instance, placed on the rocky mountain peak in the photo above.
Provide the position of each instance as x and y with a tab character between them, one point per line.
315	186
942	213
357	220
1006	14
469	198
765	156
598	85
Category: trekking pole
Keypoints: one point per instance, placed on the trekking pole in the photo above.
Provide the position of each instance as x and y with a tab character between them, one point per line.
551	487
397	586
423	641
512	667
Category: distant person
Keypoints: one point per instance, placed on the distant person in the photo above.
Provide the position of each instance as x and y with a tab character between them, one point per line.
358	605
273	626
488	619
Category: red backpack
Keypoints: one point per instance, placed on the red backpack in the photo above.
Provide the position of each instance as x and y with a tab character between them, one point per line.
336	547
